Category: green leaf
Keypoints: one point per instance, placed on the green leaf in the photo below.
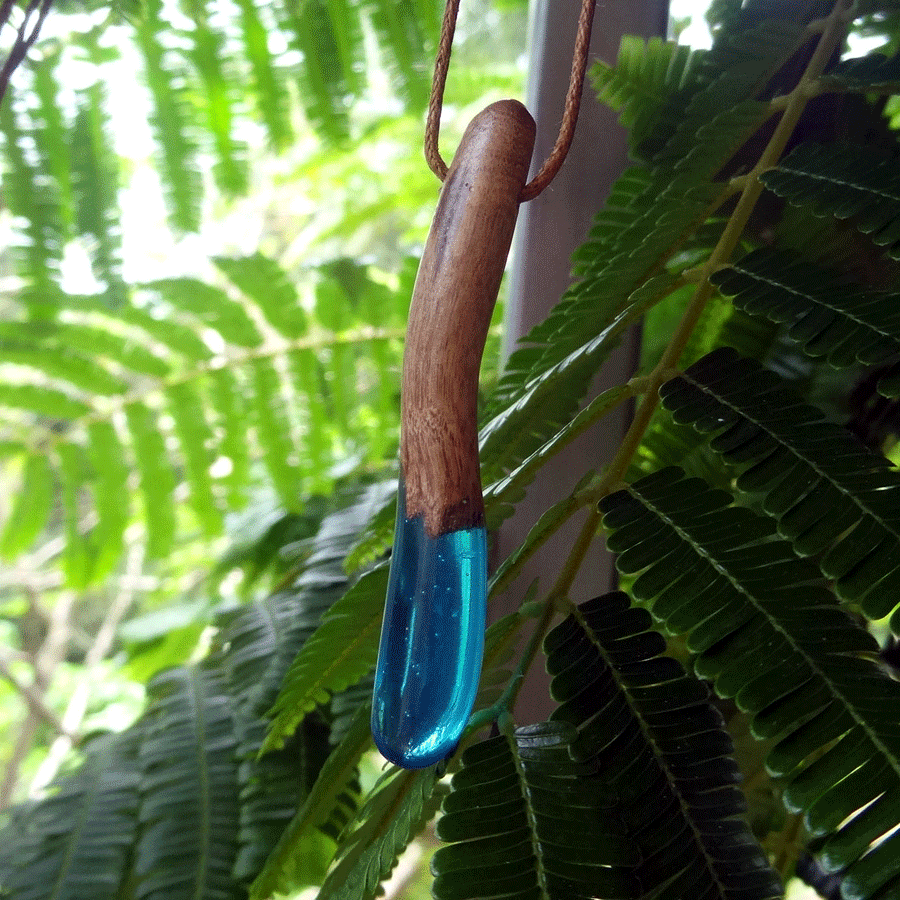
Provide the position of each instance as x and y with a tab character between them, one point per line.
95	184
78	555
398	28
827	491
644	76
530	410
157	480
212	306
377	536
846	181
767	632
188	413
650	730
45	401
206	53
324	89
269	87
273	431
50	136
272	787
110	486
267	284
340	653
104	344
189	790
866	73
229	400
398	807
347	30
334	788
525	819
62	362
79	839
730	77
29	195
512	486
310	382
31	509
828	315
171	121
176	337
648	216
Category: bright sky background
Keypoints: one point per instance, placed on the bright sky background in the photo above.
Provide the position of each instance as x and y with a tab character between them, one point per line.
696	34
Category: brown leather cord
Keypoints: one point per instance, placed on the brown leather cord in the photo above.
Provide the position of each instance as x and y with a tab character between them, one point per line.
557	156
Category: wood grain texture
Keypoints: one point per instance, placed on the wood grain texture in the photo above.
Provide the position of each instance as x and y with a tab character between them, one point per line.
451	309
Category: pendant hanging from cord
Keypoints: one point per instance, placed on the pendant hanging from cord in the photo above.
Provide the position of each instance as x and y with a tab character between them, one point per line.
432	639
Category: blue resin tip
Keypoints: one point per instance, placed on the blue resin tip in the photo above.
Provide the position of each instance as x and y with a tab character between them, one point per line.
432	641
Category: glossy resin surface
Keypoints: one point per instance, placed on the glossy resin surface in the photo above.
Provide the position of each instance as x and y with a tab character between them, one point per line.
432	640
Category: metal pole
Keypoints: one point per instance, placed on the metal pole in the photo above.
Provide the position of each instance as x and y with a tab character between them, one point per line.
549	229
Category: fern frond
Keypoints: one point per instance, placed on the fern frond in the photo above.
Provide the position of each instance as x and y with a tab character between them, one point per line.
524	819
377	536
79	839
197	389
732	74
660	748
397	808
110	488
229	400
267	284
612	273
274	433
138	328
324	89
334	790
399	28
268	84
511	488
847	181
263	640
95	183
875	72
171	121
30	196
211	305
830	316
272	787
644	76
50	136
340	653
180	805
189	805
766	630
827	491
31	508
188	411
545	403
207	53
157	479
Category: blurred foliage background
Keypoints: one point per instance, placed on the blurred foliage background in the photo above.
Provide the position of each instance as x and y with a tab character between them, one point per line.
211	222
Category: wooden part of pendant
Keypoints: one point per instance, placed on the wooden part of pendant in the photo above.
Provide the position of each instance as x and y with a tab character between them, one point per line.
450	313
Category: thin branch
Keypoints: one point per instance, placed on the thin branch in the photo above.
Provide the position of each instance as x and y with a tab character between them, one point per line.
33	697
76	710
22	43
50	655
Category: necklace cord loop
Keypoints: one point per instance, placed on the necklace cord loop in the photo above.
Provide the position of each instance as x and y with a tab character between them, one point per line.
557	156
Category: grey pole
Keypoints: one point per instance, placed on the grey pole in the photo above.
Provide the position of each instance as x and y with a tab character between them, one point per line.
549	229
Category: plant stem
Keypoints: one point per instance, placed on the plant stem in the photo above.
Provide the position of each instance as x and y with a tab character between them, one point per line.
728	241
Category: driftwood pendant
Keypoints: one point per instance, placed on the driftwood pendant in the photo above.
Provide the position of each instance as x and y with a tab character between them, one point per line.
429	662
